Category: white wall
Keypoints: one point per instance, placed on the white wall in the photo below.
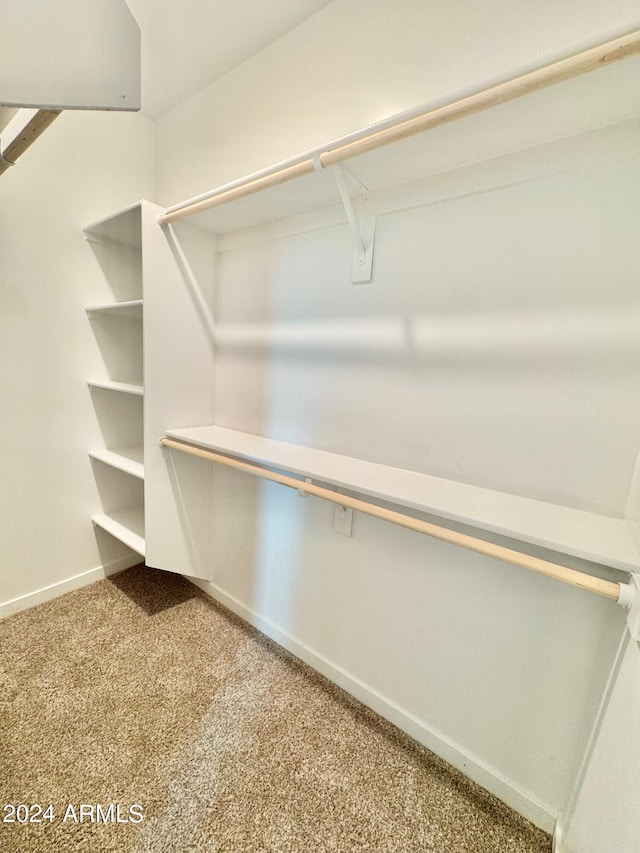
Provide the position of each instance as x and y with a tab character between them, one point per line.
606	815
359	61
519	407
83	167
498	672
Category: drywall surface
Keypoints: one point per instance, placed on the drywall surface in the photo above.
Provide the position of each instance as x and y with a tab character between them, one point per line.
357	62
82	168
511	346
606	816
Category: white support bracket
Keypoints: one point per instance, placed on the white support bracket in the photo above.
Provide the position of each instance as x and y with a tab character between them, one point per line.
363	231
302	492
630	600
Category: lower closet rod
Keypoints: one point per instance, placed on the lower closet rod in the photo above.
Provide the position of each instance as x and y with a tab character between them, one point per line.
607	589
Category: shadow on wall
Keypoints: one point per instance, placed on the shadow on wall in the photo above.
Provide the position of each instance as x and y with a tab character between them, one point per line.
505	342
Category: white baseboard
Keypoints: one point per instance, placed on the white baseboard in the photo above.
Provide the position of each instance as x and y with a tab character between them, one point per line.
47	593
488	777
558	845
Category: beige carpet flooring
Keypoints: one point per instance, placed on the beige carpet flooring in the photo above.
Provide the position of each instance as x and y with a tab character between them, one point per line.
141	690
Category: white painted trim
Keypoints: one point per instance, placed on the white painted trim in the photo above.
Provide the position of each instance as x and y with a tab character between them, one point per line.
523	802
47	593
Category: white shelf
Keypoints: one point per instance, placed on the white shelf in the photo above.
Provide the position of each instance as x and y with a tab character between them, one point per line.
122	228
127	459
126	525
597	538
123	387
131	310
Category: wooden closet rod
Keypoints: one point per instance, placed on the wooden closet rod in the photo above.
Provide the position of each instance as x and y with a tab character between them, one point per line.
37	125
607	589
382	134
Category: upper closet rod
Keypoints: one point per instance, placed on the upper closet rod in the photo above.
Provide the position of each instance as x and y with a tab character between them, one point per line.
37	125
384	134
620	592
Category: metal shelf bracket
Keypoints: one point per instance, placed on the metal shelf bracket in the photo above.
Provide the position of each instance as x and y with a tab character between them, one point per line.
363	230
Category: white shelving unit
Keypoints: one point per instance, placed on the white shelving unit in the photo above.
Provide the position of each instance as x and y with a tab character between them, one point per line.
145	267
117	243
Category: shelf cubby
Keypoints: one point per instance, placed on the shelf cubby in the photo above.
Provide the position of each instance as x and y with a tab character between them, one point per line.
130	460
126	525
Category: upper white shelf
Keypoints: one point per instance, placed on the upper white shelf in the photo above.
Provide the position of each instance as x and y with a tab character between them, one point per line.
123	228
596	538
603	97
131	310
80	56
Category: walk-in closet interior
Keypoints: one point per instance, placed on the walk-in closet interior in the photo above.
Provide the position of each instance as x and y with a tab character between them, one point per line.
331	308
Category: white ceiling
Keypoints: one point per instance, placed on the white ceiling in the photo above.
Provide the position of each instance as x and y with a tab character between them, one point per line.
188	44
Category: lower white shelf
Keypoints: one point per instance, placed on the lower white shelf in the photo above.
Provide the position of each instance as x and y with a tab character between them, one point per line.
127	525
127	459
592	537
